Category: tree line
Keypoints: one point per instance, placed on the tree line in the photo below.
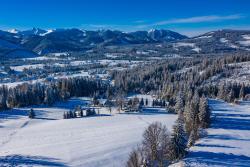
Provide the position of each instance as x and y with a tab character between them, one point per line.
207	75
48	93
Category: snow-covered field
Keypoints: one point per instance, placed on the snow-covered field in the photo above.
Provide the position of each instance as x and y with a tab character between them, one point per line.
186	44
104	140
228	140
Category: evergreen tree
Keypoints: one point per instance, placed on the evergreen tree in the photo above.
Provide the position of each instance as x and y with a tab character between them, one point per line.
31	114
71	115
68	115
142	102
81	113
179	106
222	91
191	138
231	95
204	113
74	114
242	92
65	115
191	116
178	142
3	97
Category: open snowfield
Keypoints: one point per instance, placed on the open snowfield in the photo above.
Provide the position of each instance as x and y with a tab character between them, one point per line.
228	140
104	140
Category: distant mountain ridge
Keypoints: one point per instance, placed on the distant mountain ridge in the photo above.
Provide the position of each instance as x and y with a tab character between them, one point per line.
61	40
39	42
221	41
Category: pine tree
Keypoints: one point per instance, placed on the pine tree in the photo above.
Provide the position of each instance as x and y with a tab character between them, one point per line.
153	103
178	142
222	91
231	95
142	102
242	92
196	100
74	114
191	116
179	106
146	102
81	113
191	138
71	114
68	115
3	97
65	115
31	114
204	113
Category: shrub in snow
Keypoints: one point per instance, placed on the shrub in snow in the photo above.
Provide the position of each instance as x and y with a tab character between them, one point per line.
135	158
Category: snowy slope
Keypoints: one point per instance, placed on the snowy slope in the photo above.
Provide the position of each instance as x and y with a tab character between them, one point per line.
90	142
11	50
228	139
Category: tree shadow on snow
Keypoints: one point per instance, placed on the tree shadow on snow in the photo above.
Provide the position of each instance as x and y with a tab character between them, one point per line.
13	113
213	145
218	159
50	119
20	160
245	103
71	103
231	123
146	113
98	115
224	137
231	115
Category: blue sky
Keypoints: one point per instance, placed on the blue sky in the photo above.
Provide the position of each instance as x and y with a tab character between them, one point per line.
190	17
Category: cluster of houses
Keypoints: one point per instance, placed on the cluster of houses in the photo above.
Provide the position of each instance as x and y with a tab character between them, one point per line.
79	112
123	104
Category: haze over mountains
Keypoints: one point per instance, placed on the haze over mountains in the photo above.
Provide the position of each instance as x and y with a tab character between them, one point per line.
35	42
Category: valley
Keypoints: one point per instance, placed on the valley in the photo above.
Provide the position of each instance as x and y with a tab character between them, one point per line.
89	98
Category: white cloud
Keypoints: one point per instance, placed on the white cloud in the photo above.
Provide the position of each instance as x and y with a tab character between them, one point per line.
191	32
197	19
139	21
138	24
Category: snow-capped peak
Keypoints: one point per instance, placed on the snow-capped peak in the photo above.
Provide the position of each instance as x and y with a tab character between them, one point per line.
48	31
13	31
151	30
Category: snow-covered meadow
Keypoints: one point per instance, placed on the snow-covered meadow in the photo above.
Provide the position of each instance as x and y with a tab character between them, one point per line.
49	140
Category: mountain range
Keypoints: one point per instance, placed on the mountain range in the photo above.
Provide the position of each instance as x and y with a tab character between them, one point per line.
35	42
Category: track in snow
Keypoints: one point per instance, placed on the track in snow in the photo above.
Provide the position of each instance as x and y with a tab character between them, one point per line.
89	142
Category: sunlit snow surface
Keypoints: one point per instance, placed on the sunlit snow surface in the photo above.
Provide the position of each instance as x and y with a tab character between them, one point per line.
104	140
